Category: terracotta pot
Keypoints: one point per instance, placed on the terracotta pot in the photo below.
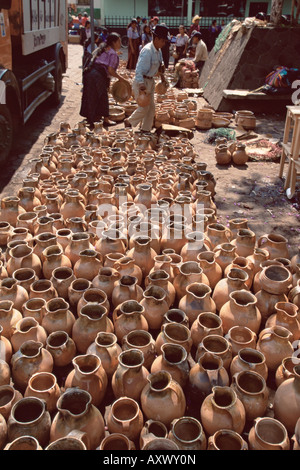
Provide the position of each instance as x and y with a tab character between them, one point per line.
29	417
4	373
43	385
129	316
287	316
218	234
43	241
287	401
106	280
252	390
268	434
188	434
142	340
160	444
196	243
24	443
127	267
222	409
143	254
25	277
242	263
241	337
92	319
155	305
89	375
76	290
286	369
94	296
130	376
10	209
259	256
22	256
249	359
8	397
197	299
73	205
188	273
61	279
27	329
225	253
5	348
76	412
274	343
5	231
211	268
226	439
275	244
174	360
126	289
236	280
58	317
206	323
80	241
152	430
107	349
244	242
115	442
236	224
54	258
75	440
111	241
9	318
240	310
275	279
42	288
125	417
223	155
204	375
61	347
217	345
162	399
174	333
11	290
176	315
161	279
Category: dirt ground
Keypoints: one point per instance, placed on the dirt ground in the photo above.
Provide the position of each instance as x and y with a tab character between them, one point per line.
253	191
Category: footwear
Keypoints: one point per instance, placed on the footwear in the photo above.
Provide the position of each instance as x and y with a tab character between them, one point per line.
127	123
109	123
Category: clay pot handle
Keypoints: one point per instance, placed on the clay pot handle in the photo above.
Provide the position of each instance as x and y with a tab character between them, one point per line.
81	436
266	331
230	233
213	376
126	425
293	293
260	240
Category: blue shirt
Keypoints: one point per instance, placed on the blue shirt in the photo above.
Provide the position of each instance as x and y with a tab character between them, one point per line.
149	62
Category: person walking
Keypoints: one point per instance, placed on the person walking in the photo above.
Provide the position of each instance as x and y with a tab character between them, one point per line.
181	44
150	63
133	46
96	80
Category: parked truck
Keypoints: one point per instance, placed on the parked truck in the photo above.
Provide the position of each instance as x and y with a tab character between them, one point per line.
33	58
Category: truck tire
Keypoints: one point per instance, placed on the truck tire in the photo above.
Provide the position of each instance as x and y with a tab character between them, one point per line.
6	133
55	98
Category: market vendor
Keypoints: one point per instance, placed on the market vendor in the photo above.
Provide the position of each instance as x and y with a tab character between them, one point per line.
201	53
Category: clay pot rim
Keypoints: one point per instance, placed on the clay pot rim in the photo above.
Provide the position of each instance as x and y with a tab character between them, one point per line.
155	292
53	250
40	374
167	326
221	339
223	432
188	419
144	333
76	391
174	346
257	423
107	334
252	335
30	320
87	357
224	389
136	352
236	377
161	374
80	281
57	333
190	264
8	283
237	274
61	303
36	400
115	436
91	306
21	439
211	315
209	356
62	269
279	306
9	388
123	400
234	297
199	286
251	351
6	305
203	257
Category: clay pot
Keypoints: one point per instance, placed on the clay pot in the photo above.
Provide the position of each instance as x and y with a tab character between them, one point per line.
218	234
204	375
211	268
4	373
8	397
72	205
223	155
75	440
5	231
89	375
5	348
127	317
222	409
80	241
287	401
76	412
236	224
174	333
242	263
24	443
176	315
241	337
42	288
162	399
287	316
61	279
106	280
244	242
174	360
127	267
27	329
125	417
10	290
155	305
161	279
160	444
126	289
54	258
225	254
275	244
29	417
286	369
116	441
217	345
111	241
22	256
197	299
188	273
236	280
10	209
252	390
61	347
142	340
188	434
226	439
249	359
58	317
76	290
9	318
94	296
107	349
130	376
25	277
240	310
45	240
43	385
275	279
274	343
206	323
196	243
259	256
268	434
92	319
143	254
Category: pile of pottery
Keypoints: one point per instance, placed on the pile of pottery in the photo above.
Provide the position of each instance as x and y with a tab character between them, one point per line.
130	318
176	109
227	152
187	73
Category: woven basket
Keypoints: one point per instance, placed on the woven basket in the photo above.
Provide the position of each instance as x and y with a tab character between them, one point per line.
121	91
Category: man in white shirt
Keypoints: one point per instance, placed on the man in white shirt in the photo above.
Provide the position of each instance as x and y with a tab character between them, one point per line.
150	62
201	53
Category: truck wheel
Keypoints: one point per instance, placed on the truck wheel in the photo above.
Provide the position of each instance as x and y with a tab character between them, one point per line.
56	95
6	133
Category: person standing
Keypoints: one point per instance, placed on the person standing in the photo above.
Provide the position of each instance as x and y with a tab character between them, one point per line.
195	26
143	24
133	46
146	36
214	32
96	80
150	63
181	45
165	50
201	53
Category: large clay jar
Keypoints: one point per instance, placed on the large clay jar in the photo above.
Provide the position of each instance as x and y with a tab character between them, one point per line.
217	345
27	329
206	323
125	417
25	277
275	279
8	397
75	440
89	375
236	280
5	231
4	373
188	273
161	279
9	318
142	340
286	369
61	279
54	258
244	242
206	374
197	299
94	296
287	401
126	289
22	256
11	290
286	315
268	434
274	343
73	205
249	359
174	360
174	333
196	243
152	430
5	348
275	244
92	319
80	241
58	317
106	279
76	290
61	347
130	376
218	234
162	399
43	385
175	315
226	439
252	390
241	337
211	268
24	443
236	224
30	358
127	267
259	256
116	441
143	254
240	310
111	241
29	417
222	409
107	349
225	253
42	288
76	412
155	305
240	155
188	434
10	209
242	263
127	317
